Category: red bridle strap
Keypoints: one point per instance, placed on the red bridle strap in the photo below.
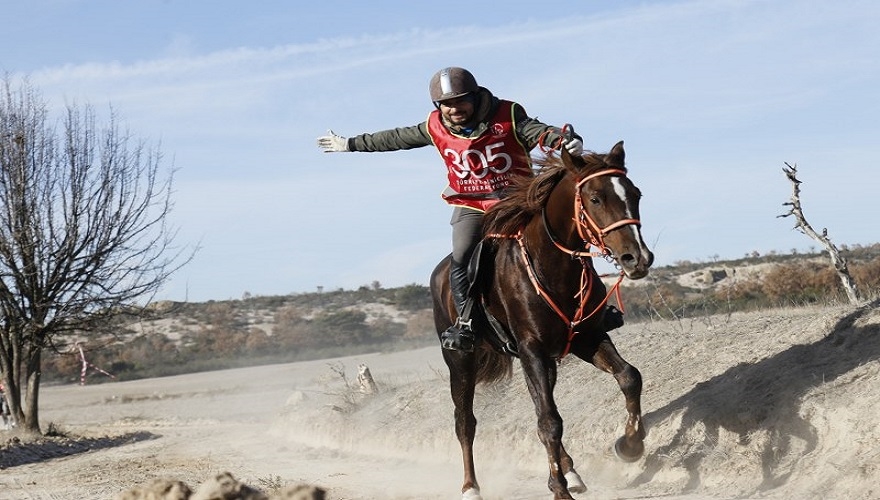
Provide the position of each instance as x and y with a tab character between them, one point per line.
588	229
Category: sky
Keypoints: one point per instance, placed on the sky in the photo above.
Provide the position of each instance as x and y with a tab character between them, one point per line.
711	97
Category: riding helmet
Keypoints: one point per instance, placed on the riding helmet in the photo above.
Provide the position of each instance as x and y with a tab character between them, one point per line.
452	82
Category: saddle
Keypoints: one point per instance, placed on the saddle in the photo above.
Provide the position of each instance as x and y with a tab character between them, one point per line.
495	333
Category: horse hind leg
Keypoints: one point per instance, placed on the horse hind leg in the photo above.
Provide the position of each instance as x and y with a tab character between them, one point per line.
465	429
462	384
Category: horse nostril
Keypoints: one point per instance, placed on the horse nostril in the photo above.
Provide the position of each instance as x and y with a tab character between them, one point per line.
627	259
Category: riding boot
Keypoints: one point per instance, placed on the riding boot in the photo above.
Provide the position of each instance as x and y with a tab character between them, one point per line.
460	336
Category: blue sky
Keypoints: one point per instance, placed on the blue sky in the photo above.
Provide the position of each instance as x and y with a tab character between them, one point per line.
710	96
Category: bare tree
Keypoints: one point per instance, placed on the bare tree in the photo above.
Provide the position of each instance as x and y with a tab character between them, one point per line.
83	234
837	260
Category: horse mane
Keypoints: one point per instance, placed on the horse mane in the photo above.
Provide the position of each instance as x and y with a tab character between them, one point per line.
526	196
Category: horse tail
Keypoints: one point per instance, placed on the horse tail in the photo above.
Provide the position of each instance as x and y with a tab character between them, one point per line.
492	366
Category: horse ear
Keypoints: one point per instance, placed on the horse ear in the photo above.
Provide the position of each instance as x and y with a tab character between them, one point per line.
616	156
573	163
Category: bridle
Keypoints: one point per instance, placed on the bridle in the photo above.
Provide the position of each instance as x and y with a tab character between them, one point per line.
588	229
592	235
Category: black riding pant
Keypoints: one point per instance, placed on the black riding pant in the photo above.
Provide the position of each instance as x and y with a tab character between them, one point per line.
466	231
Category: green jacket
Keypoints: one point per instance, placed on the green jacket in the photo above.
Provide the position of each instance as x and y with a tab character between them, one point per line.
529	130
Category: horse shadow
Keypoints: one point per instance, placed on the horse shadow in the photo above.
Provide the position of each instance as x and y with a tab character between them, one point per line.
764	396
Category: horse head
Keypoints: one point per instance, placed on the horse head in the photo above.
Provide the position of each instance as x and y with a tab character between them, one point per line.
607	209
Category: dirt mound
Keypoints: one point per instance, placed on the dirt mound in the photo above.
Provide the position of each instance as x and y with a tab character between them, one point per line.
221	487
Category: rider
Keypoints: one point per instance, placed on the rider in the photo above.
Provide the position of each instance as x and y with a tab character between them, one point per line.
485	143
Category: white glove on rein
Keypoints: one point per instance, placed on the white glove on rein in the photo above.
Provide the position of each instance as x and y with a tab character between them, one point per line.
575	147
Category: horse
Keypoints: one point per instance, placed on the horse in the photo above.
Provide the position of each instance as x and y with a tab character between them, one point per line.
538	287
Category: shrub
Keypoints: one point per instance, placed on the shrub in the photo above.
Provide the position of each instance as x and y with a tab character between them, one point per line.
420	325
413	297
801	282
867	276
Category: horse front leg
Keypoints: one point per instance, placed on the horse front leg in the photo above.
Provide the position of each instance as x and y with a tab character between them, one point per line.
462	383
631	445
540	375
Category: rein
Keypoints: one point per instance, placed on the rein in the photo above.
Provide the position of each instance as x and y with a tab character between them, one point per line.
592	235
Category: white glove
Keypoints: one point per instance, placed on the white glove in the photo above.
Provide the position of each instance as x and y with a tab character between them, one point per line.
332	143
575	146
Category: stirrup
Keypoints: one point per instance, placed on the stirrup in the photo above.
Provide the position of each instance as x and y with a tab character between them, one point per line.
459	337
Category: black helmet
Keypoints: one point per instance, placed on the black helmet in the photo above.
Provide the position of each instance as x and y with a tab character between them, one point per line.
449	83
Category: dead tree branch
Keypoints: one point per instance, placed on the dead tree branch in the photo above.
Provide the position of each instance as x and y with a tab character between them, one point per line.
839	262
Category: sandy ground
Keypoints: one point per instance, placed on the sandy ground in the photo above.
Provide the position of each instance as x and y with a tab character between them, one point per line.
778	404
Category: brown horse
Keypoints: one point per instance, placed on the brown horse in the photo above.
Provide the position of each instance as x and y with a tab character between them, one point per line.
540	290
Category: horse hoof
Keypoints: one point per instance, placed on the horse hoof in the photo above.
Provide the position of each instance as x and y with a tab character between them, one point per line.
575	483
471	494
624	455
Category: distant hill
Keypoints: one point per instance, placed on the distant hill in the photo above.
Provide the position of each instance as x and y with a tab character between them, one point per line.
195	336
683	279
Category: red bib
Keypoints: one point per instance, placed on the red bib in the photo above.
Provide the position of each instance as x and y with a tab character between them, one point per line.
480	168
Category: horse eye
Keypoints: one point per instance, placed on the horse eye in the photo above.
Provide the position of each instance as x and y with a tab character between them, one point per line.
595	200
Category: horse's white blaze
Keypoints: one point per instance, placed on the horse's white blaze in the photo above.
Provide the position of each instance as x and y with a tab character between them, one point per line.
643	248
620	191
